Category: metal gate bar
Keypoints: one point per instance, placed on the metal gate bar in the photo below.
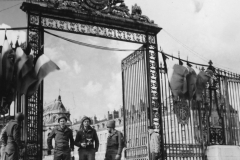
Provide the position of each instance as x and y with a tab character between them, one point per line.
181	141
136	105
229	90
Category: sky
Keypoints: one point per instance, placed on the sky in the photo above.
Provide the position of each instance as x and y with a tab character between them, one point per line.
89	81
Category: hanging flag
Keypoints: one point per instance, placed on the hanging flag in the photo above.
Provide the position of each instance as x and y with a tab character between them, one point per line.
20	60
178	81
23	65
8	58
43	67
27	66
191	83
27	81
202	79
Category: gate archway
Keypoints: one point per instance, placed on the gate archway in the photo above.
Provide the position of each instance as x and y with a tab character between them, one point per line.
101	18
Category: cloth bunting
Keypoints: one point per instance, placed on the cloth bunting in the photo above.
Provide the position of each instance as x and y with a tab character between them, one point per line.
23	65
202	79
178	81
8	58
32	80
191	83
7	76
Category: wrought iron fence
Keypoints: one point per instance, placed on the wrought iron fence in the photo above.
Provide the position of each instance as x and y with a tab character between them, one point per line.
229	102
189	128
182	125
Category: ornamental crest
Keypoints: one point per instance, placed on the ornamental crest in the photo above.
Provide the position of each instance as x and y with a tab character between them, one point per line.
182	111
97	4
101	8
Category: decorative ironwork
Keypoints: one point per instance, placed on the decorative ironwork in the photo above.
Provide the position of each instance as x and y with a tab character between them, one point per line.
140	70
137	152
132	59
180	140
100	8
216	129
182	111
136	104
33	108
228	93
93	30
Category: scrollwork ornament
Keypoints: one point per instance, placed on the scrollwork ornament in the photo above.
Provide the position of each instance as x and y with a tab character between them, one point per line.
103	8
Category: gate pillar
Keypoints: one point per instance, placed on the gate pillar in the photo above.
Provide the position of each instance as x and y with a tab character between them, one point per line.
34	104
154	88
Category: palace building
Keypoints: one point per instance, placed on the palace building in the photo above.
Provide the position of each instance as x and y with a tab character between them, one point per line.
51	113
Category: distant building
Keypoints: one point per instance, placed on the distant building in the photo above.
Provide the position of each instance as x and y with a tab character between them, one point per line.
51	112
100	126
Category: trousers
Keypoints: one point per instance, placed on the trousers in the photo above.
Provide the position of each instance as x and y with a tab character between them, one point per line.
111	154
62	155
86	154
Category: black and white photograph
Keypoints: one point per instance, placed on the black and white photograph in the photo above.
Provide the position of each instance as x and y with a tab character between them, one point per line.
119	80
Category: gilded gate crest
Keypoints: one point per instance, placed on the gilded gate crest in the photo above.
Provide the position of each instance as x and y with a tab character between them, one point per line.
182	111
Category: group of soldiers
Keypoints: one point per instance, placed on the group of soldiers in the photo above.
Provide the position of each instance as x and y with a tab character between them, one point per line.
86	139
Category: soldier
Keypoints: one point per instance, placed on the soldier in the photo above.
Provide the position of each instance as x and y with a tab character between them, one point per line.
85	139
3	144
154	143
115	142
62	135
11	137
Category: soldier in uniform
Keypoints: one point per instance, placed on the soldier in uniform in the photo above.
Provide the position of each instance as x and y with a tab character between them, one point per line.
3	144
11	137
114	142
154	143
63	135
86	140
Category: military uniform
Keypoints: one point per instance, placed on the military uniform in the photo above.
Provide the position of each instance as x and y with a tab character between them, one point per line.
12	137
114	143
88	136
154	144
3	143
62	137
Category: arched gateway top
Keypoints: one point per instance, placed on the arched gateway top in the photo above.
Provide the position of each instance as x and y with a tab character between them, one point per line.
102	18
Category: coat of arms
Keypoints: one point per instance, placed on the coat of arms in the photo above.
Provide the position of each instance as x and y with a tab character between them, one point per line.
182	111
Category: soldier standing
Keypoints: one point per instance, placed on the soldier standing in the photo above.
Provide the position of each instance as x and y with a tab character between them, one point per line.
3	144
85	139
154	144
62	135
114	142
11	137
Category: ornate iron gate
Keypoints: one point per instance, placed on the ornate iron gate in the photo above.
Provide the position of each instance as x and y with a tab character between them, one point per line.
101	18
136	104
146	91
182	126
